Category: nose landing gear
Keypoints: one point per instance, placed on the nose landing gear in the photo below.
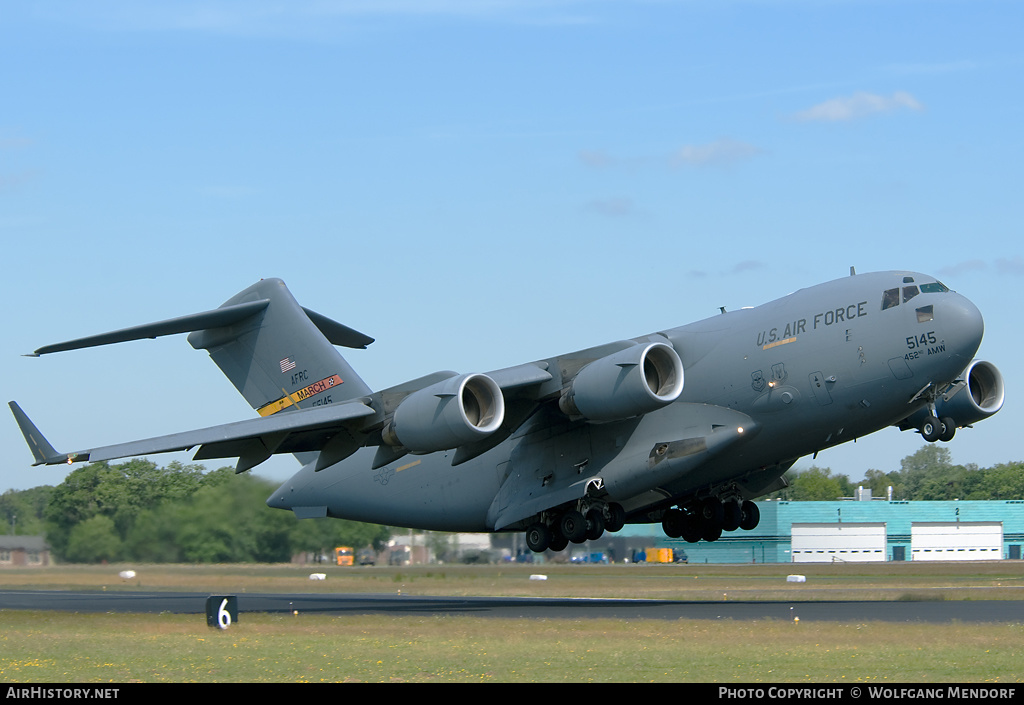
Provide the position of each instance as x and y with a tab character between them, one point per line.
936	429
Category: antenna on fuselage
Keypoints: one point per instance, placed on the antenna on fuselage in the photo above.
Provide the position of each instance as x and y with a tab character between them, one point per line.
853	271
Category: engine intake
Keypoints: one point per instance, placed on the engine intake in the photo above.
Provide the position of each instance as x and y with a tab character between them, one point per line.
628	383
981	397
446	415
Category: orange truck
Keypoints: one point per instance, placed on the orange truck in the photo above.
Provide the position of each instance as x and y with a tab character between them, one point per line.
344	555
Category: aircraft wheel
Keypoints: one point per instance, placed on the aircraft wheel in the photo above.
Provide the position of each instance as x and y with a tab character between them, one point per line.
931	429
751	515
691	529
558	542
948	429
574	526
711	532
732	515
616	517
672	523
712	512
538	537
595	524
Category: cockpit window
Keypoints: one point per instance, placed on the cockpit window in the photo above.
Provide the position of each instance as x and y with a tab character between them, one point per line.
936	288
925	314
909	292
890	298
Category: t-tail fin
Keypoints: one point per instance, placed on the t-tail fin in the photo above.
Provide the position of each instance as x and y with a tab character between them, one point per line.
283	356
278	354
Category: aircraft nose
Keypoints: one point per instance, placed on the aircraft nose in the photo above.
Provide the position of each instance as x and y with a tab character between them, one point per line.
964	325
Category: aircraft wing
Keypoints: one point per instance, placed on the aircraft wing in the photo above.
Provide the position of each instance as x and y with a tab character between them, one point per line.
515	378
251	441
330	430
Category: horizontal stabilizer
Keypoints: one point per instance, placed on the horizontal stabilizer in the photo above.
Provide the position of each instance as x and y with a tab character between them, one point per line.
185	324
337	333
252	440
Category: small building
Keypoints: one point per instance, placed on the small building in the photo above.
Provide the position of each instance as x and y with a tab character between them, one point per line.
858	531
23	552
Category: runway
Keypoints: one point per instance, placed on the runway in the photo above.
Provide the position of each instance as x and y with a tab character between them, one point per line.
1011	611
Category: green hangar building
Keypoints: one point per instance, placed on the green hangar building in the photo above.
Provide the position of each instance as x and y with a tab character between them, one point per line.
858	531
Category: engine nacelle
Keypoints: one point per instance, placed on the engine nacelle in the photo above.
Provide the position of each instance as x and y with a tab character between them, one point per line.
981	397
448	414
628	383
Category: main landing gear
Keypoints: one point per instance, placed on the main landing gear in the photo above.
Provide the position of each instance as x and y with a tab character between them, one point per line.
575	526
708	518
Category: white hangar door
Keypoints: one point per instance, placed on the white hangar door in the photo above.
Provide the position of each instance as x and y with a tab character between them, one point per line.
956	541
844	542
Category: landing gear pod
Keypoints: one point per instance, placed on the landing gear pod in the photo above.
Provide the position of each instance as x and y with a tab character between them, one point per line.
448	414
628	383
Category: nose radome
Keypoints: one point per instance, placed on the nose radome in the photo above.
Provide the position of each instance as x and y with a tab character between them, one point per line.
965	324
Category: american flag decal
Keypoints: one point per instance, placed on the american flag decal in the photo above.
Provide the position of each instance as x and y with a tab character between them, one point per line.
287	364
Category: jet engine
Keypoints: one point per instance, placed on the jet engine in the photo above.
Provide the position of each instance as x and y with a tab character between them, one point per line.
634	381
977	395
446	415
980	397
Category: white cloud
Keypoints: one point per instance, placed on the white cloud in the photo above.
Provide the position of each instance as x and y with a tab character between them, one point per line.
1013	266
973	265
720	152
9	182
857	106
723	151
1010	266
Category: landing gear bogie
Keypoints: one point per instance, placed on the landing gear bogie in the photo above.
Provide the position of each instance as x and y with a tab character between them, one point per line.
585	522
709	518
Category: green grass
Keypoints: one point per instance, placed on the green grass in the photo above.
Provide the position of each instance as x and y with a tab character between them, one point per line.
116	648
995	580
108	648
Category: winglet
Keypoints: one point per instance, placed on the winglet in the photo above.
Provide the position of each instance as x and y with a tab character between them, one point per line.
42	451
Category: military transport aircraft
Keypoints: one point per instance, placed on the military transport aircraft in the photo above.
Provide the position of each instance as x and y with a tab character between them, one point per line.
571	446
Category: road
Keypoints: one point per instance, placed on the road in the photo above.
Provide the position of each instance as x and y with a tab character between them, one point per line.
520	607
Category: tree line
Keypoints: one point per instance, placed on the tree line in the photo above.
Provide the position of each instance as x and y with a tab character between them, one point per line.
137	511
927	475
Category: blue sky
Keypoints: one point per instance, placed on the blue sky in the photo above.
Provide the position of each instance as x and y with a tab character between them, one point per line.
479	184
